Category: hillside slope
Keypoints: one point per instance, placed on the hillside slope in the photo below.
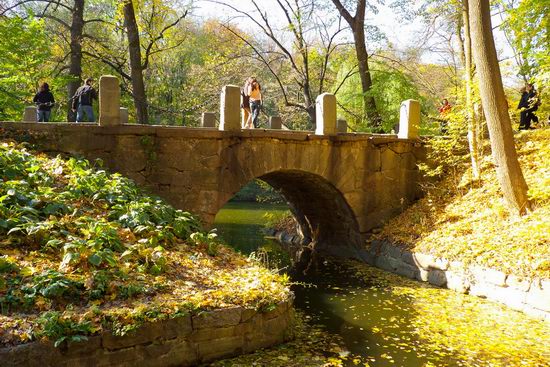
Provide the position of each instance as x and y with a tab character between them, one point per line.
469	221
83	250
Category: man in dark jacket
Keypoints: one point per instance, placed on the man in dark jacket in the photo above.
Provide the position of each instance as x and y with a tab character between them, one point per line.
528	104
44	102
83	101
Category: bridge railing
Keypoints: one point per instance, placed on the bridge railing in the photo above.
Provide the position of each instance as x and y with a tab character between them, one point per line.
111	113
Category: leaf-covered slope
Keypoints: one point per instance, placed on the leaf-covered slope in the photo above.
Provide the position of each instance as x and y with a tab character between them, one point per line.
471	223
83	250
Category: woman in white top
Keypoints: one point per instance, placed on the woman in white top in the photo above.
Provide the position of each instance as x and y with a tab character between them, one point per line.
255	94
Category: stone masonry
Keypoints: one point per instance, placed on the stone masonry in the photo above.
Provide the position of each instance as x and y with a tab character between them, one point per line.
182	341
340	186
530	296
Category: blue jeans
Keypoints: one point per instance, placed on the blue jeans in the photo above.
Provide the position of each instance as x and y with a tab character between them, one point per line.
255	107
85	110
43	116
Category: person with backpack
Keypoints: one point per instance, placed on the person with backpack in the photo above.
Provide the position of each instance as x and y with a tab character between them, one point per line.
82	102
255	94
44	102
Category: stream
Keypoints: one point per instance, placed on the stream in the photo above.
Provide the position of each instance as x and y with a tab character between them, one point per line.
381	319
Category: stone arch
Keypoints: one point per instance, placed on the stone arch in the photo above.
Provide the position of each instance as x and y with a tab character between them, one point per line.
319	207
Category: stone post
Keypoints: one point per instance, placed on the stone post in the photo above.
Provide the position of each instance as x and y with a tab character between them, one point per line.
275	122
30	114
341	126
230	107
325	112
124	116
208	119
409	119
109	101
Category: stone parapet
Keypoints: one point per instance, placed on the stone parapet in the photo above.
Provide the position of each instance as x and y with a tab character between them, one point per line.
182	341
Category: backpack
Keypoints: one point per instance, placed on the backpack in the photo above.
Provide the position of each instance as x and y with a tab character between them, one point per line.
84	95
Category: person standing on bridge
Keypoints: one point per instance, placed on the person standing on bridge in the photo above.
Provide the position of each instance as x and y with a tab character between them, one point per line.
82	101
255	94
245	102
44	102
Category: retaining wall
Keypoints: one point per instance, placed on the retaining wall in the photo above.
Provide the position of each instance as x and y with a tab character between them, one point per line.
531	296
183	341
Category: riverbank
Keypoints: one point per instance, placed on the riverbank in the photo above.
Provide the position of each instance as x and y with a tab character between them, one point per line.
86	256
461	220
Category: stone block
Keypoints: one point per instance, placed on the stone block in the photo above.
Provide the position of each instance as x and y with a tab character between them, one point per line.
487	275
109	101
422	275
424	261
230	108
208	119
373	160
205	334
218	348
341	126
389	160
437	277
386	263
408	257
409	119
441	264
217	318
407	270
124	116
179	353
516	282
275	122
457	282
325	111
538	298
30	114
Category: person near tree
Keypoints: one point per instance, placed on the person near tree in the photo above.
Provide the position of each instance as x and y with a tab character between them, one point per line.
82	101
255	94
528	104
44	102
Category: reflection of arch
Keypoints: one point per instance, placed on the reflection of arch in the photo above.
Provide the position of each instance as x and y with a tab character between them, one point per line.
320	208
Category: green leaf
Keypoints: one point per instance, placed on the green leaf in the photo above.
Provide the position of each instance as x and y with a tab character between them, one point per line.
95	259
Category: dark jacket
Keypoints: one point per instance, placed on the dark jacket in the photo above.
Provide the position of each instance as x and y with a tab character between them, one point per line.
529	100
44	100
84	96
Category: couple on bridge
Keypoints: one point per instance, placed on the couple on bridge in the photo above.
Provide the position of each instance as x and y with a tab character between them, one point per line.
251	103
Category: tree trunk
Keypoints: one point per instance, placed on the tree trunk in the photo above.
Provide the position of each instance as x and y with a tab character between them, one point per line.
473	123
357	25
75	66
366	80
508	170
136	67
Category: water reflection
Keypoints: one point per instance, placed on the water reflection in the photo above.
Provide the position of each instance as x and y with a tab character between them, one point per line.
387	320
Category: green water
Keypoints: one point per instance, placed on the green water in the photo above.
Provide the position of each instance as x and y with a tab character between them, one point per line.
387	320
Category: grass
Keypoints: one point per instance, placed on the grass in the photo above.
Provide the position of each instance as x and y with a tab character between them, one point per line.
467	221
84	251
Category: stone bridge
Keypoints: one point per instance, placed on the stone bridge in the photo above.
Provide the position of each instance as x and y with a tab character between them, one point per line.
339	185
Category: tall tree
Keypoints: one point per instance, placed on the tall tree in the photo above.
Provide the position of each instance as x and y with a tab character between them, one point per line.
51	10
495	107
474	135
136	66
357	25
